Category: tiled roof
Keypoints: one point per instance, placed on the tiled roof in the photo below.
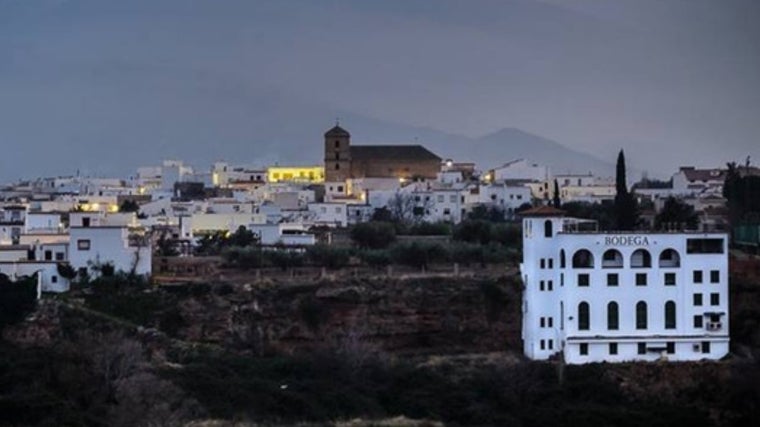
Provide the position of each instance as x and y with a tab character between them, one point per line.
545	210
392	152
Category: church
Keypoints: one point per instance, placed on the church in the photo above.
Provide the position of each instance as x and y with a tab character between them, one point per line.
344	161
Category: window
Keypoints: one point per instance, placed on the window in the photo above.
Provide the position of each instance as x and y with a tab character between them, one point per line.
640	258
548	228
583	280
714	299
550	285
697	276
543	263
705	347
583	259
337	166
337	210
551	344
583	317
439	198
583	349
550	322
53	279
715	276
85	222
551	263
453	198
612	279
669	258
641	279
59	256
642	348
704	246
542	322
670	347
562	258
698	321
641	315
337	144
543	345
613	348
612	259
697	300
48	255
83	244
541	286
670	315
340	188
670	279
613	321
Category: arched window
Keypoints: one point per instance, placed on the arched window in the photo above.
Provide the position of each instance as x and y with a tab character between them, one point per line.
612	258
548	228
583	259
670	258
670	315
613	322
641	258
641	315
584	321
562	258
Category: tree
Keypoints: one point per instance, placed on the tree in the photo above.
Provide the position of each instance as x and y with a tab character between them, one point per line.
17	299
401	207
242	237
556	200
676	214
373	235
626	209
486	213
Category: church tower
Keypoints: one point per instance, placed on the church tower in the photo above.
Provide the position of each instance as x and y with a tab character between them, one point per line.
337	155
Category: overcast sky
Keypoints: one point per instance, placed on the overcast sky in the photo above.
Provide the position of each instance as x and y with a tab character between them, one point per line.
672	81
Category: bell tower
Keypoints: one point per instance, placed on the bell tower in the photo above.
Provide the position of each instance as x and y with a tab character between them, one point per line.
337	154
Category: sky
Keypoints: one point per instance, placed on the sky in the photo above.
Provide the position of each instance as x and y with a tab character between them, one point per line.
108	85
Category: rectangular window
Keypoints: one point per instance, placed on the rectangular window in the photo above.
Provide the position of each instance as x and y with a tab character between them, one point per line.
715	276
452	199
583	349
543	345
705	347
642	348
612	279
541	322
670	279
714	299
83	244
698	319
613	348
641	279
670	348
59	256
551	344
542	263
704	246
583	279
551	263
541	286
48	255
439	198
697	276
550	322
53	279
550	285
697	300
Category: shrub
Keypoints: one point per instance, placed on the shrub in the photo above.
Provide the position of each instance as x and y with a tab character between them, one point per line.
17	299
473	231
375	257
418	254
373	235
326	256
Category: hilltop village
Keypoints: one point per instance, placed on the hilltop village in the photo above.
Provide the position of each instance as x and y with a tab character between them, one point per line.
65	230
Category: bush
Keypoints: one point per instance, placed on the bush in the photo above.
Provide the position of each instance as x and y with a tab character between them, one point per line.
17	299
473	231
425	229
418	254
373	235
326	256
375	257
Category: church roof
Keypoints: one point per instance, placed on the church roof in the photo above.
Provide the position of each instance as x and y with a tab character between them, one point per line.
337	131
392	152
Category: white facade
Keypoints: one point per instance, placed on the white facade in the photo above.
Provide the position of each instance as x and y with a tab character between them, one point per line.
121	246
520	169
329	214
615	297
506	197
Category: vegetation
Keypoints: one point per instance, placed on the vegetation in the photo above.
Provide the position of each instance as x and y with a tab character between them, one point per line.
626	209
676	214
742	193
17	299
373	235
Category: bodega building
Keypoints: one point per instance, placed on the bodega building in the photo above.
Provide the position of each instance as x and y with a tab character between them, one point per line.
592	296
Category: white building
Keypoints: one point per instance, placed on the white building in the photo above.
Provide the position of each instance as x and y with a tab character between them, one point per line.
614	297
520	169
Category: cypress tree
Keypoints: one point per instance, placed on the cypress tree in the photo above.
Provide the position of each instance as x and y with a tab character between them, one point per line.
556	200
626	209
